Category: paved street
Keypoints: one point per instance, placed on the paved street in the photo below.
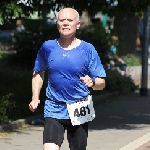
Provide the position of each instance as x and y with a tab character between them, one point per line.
119	124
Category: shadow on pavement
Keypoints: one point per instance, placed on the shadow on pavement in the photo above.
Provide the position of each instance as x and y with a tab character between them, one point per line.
126	112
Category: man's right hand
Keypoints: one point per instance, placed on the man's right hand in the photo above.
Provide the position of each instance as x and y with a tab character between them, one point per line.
33	105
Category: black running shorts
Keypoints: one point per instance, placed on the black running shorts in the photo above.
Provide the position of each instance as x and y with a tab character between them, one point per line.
54	133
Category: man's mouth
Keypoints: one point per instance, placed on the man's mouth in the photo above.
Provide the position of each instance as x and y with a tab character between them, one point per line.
66	29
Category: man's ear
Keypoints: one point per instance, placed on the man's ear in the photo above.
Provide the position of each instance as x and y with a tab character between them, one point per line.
78	25
57	24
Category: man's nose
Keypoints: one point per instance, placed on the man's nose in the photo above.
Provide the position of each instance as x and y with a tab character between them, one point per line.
66	22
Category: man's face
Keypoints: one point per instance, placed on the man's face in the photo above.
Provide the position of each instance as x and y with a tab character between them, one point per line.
68	22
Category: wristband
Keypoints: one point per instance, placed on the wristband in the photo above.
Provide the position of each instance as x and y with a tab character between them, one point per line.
93	82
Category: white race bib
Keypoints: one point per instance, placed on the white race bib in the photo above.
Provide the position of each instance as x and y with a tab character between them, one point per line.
82	111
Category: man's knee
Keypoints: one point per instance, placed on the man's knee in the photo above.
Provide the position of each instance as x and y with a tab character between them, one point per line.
50	146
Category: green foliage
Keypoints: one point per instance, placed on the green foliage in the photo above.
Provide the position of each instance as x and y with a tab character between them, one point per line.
11	8
91	6
18	81
96	35
6	105
132	60
27	45
35	25
115	82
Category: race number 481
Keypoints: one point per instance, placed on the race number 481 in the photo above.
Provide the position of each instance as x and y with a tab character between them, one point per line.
82	111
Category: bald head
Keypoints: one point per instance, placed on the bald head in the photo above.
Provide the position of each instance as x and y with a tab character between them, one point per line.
69	10
68	22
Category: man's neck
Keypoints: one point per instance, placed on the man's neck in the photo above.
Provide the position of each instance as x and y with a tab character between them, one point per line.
68	43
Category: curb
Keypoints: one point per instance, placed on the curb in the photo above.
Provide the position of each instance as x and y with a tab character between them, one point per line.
20	122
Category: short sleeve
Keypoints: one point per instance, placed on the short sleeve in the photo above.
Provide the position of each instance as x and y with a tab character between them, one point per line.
96	68
40	61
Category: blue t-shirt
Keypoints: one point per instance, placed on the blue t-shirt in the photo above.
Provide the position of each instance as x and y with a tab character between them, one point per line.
65	67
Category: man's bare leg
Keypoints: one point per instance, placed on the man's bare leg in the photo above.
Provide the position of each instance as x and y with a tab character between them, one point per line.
50	146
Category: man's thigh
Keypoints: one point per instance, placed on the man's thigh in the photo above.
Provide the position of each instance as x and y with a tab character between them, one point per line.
53	132
77	136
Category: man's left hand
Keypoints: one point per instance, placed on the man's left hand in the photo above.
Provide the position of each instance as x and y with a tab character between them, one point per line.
87	81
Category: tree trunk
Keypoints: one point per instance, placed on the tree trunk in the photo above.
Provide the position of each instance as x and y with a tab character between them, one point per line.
126	27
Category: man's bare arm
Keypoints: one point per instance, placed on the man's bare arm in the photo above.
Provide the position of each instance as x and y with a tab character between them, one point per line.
37	82
99	84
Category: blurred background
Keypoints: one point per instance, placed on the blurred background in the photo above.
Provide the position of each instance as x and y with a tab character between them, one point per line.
26	24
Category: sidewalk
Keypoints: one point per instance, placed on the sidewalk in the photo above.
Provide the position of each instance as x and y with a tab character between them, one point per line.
122	123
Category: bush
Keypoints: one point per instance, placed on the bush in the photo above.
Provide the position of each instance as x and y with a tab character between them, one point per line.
26	47
96	35
116	82
6	105
18	82
132	60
